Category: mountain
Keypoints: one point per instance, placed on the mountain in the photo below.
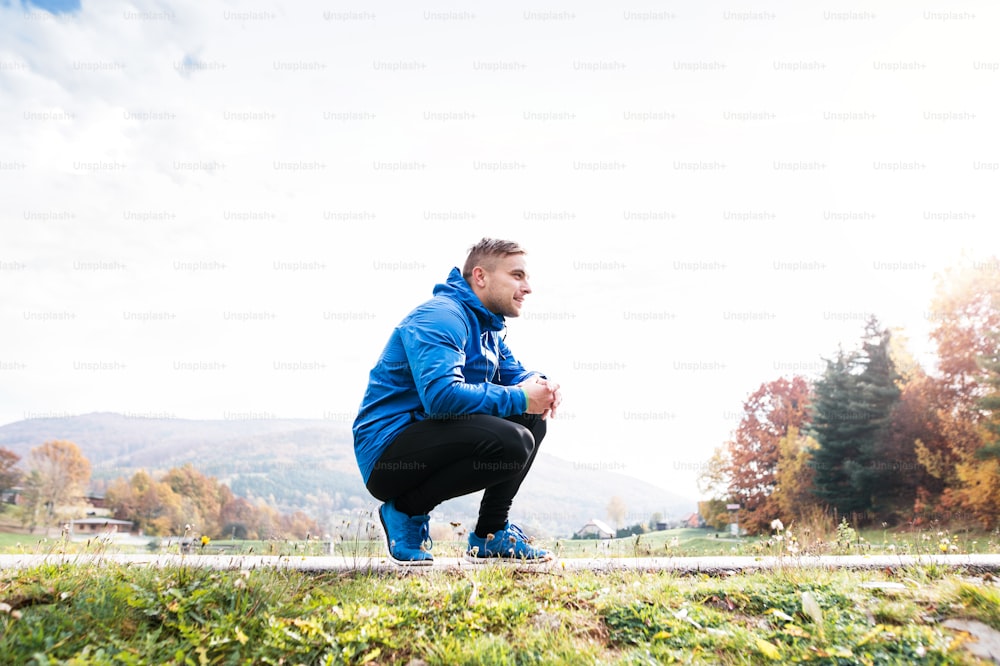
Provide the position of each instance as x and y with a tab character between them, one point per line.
308	465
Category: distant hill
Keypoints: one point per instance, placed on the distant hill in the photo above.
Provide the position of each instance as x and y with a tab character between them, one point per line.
308	465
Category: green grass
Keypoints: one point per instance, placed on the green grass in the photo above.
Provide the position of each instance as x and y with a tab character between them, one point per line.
700	542
367	542
684	542
11	542
116	614
704	542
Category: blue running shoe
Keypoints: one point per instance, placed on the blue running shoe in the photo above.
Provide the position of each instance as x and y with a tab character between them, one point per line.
407	537
509	544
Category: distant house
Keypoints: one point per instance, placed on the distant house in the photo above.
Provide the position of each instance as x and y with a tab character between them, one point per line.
12	496
96	501
595	529
694	520
85	526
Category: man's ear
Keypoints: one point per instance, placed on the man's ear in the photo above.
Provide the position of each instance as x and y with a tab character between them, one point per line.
479	276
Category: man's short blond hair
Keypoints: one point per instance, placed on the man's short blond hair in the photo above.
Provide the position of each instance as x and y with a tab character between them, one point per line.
487	252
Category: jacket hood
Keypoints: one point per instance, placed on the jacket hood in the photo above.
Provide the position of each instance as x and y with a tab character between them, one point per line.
457	288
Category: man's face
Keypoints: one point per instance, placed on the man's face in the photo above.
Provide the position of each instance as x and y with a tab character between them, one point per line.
505	287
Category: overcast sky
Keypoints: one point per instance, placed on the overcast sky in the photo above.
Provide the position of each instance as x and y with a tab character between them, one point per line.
220	210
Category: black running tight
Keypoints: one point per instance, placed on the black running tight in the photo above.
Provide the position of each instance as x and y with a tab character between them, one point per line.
435	460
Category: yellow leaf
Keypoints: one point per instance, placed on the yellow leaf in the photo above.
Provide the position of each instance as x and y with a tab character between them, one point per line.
795	630
958	641
241	637
835	652
780	614
768	649
871	634
661	635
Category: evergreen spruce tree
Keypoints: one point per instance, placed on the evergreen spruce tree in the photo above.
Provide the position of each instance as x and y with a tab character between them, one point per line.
851	411
884	475
835	427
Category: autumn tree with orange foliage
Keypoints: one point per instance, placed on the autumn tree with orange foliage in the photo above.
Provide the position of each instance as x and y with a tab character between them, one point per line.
203	497
754	454
152	505
58	477
186	501
918	444
239	519
967	311
978	490
794	477
10	475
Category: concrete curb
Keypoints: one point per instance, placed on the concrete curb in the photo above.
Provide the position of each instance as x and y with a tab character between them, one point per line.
682	565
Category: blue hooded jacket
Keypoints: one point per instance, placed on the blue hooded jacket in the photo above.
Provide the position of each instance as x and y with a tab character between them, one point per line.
445	359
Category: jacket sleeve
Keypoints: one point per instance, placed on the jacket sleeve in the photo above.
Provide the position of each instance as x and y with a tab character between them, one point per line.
511	370
435	348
